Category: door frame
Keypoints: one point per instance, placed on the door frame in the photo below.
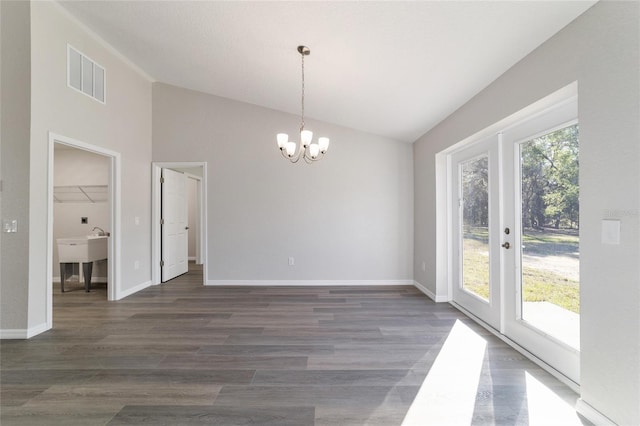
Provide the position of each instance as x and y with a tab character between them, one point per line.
113	271
198	224
156	251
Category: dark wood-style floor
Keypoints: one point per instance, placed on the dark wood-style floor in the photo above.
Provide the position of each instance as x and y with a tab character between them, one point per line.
185	354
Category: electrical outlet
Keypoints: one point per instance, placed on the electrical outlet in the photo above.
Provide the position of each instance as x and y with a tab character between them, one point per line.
136	265
292	261
136	220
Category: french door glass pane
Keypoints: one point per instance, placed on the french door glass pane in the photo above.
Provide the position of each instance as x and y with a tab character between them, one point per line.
475	224
550	243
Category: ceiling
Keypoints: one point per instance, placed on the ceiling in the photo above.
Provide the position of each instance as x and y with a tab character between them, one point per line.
390	68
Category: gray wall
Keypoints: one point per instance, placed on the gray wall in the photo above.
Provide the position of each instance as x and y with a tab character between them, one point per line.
122	125
347	217
15	68
600	51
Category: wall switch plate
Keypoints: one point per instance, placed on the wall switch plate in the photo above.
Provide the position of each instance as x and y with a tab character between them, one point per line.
136	220
136	265
424	266
610	231
292	261
84	220
9	225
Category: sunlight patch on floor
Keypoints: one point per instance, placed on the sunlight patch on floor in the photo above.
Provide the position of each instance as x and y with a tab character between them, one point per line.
546	408
448	394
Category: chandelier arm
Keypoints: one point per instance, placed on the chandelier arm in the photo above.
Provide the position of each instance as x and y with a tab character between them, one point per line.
295	158
307	159
304	155
310	159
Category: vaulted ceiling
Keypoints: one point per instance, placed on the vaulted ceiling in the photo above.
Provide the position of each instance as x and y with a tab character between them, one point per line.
390	68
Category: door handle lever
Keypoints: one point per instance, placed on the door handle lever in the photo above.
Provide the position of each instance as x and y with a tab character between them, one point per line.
506	245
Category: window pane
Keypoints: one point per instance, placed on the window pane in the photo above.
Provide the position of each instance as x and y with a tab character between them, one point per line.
550	240
475	232
75	69
99	82
87	76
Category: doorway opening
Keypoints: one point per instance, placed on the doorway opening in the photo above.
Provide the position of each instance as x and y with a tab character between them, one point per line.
179	211
83	218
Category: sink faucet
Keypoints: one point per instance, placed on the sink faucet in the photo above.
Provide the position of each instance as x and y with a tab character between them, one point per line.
101	233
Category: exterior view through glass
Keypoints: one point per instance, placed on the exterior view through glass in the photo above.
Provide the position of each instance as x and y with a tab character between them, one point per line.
475	224
550	256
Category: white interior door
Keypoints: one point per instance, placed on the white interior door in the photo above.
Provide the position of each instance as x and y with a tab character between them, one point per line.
476	231
174	245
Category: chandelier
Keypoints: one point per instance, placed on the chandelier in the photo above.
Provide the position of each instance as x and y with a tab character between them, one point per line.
310	151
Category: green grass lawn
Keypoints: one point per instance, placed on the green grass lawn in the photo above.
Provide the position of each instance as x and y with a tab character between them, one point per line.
538	284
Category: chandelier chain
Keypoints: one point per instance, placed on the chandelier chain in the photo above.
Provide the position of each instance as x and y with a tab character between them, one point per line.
302	117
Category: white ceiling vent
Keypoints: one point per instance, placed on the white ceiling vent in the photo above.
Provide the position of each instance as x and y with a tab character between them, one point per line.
84	75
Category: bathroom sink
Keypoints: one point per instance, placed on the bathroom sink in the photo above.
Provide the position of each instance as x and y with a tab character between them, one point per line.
82	249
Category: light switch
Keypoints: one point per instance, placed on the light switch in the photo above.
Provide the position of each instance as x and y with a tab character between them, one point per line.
9	225
136	220
610	231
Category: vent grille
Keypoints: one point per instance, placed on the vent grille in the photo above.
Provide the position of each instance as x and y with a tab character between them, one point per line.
85	75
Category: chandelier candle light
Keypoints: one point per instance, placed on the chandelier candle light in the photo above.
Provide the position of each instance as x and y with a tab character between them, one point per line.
309	151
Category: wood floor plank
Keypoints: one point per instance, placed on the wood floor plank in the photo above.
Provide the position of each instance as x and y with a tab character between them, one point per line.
292	396
266	350
214	416
122	394
169	377
378	377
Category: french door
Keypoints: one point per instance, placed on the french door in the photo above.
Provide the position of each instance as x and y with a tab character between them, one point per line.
515	242
476	210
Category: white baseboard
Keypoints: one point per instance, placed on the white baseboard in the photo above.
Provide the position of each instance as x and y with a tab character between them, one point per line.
13	333
280	283
429	293
23	333
128	292
594	416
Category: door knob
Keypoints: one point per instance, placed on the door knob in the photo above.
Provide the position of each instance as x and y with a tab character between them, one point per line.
186	227
506	245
